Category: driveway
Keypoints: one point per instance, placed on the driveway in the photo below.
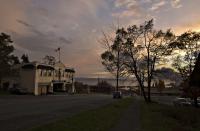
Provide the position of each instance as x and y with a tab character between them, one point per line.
23	112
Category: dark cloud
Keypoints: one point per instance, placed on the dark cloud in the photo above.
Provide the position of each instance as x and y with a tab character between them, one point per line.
42	41
30	27
24	23
34	43
40	26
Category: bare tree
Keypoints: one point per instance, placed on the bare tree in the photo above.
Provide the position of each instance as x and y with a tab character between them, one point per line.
50	60
25	58
143	50
112	58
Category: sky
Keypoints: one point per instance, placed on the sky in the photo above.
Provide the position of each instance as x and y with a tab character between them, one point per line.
38	27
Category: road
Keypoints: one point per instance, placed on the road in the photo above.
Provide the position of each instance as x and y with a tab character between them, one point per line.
22	112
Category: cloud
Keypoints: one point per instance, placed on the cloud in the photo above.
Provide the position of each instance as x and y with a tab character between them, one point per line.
157	5
127	3
176	3
128	8
30	27
24	23
39	26
38	41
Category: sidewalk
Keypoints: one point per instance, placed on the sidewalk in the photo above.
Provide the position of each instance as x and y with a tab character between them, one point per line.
130	121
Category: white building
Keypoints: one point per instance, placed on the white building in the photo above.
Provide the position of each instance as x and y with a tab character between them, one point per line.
38	79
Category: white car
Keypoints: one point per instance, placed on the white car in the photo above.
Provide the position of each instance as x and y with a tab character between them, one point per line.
198	101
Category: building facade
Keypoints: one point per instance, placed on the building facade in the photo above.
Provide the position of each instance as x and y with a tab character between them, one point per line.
39	79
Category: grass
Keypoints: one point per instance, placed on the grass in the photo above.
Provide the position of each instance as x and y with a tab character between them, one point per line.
100	119
157	117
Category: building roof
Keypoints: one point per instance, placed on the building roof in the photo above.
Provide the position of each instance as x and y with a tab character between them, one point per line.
34	65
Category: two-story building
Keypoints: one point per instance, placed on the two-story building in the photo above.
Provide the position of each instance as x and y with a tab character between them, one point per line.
41	79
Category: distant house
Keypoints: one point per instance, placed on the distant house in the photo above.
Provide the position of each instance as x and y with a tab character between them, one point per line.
38	78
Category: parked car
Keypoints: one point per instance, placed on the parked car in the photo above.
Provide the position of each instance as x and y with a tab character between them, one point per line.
198	101
182	102
117	94
17	91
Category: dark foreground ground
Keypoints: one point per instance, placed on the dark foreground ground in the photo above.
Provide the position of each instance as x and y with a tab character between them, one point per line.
22	112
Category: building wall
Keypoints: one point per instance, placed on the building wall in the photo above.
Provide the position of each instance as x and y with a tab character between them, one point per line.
40	81
44	76
27	79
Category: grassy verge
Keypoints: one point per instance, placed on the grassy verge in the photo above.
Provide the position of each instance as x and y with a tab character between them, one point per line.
100	119
157	117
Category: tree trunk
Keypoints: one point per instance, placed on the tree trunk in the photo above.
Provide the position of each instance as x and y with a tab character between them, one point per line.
140	83
141	87
149	92
118	68
143	93
195	102
117	86
149	79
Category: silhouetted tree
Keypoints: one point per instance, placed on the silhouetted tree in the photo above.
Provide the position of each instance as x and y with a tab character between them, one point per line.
143	50
188	44
7	59
112	57
25	58
50	60
194	82
15	60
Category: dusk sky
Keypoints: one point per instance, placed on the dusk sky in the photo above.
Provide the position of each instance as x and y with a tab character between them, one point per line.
38	27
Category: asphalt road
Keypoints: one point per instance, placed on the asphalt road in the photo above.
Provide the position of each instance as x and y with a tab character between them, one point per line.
18	113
